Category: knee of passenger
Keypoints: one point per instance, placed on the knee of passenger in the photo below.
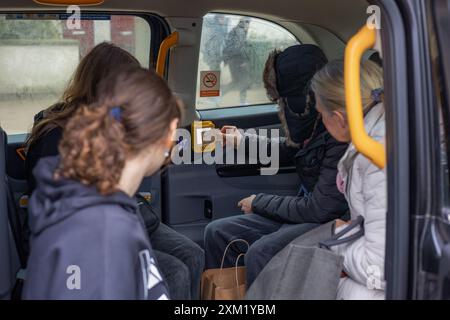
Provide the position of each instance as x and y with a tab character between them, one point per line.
180	274
254	252
197	257
211	230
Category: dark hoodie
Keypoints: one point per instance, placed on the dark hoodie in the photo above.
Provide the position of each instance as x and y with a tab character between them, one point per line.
85	245
308	144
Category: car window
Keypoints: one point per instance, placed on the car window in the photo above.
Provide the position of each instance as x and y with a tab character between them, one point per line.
233	52
39	53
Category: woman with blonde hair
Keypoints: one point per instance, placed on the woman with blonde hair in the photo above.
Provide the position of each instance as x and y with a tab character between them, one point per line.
363	183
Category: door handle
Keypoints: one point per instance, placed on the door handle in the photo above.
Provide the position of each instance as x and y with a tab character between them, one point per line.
208	209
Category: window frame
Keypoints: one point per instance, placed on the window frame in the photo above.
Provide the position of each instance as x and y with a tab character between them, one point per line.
198	69
159	30
396	75
155	22
443	43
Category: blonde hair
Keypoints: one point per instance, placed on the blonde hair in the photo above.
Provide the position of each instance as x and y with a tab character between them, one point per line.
328	84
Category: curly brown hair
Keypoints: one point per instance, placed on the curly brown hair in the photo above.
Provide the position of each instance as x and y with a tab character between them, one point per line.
96	142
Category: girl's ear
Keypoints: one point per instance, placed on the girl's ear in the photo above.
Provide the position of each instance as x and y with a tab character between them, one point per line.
341	119
174	125
171	136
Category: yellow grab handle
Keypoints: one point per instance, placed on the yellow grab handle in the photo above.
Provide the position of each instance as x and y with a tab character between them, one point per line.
169	42
358	44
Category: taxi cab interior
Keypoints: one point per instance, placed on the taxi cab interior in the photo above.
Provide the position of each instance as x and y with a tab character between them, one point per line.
412	41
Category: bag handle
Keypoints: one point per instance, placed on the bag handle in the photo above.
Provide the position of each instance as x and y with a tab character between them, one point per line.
228	247
237	275
335	239
237	261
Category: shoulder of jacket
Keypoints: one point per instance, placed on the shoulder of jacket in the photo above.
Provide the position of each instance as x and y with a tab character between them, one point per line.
335	148
331	141
110	214
366	166
377	133
124	227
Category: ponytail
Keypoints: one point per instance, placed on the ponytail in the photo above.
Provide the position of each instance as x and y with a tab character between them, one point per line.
93	148
134	110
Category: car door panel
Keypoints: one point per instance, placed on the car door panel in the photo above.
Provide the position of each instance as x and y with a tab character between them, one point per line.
195	194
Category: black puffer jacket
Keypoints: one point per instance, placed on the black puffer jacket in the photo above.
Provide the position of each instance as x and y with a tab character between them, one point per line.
308	144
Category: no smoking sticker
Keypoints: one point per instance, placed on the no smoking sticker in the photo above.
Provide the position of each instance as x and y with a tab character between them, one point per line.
209	83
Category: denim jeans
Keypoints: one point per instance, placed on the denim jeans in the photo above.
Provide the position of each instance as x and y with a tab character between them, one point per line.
266	238
181	262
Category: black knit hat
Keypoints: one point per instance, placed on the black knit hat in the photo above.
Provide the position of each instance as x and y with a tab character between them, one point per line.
295	68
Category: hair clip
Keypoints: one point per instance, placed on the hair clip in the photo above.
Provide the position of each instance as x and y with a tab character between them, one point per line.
376	95
116	113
